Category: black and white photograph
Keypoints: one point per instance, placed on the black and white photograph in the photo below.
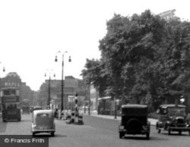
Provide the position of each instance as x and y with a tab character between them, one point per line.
94	73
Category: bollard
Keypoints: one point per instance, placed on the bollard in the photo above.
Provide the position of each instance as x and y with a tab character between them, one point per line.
80	120
72	117
68	121
76	119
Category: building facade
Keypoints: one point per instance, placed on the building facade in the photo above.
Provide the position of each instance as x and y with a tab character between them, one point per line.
70	89
12	79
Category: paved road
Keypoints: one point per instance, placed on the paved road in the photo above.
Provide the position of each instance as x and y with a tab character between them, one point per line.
96	132
94	113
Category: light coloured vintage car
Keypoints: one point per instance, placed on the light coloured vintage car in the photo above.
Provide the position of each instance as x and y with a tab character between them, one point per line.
43	122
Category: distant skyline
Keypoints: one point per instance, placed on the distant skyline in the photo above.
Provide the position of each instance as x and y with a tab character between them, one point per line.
32	32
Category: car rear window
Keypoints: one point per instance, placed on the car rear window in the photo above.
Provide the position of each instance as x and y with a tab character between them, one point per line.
134	111
44	119
43	115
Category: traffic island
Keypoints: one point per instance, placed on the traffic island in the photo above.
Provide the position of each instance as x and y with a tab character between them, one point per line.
75	118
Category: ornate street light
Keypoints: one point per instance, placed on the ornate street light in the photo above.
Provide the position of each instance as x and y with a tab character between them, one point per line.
62	79
3	67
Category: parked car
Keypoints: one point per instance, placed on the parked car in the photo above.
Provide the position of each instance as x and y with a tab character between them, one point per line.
134	120
172	117
43	121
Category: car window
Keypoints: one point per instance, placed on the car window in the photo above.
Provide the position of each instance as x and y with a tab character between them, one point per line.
176	111
43	115
162	111
134	111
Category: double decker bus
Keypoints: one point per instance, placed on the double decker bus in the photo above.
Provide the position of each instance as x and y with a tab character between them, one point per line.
10	104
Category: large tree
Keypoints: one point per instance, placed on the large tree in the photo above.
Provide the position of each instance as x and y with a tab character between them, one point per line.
144	58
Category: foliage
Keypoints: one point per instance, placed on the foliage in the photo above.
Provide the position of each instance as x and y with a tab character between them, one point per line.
143	56
95	74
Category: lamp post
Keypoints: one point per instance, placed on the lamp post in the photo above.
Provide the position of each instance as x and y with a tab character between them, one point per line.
62	79
116	103
3	67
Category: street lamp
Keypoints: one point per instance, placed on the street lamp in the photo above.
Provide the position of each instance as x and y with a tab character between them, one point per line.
49	88
3	67
62	77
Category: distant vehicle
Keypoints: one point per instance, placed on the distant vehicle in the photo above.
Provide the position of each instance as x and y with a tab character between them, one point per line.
10	101
172	118
105	105
25	105
134	120
43	121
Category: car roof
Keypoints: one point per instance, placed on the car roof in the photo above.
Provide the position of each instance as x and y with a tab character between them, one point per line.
134	106
43	111
37	107
172	105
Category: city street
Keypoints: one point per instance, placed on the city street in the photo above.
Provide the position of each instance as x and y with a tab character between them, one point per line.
96	132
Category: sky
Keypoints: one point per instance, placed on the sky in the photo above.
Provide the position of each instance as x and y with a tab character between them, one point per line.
33	32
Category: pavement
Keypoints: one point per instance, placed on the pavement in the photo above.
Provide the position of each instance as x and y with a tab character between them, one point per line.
95	114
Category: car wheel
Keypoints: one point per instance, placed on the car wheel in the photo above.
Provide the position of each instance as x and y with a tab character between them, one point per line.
52	133
121	134
169	131
157	126
148	135
189	133
179	132
159	130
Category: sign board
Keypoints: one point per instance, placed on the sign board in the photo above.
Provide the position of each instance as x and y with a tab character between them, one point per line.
10	99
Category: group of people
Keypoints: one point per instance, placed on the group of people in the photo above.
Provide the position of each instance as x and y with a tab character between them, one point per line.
61	115
65	114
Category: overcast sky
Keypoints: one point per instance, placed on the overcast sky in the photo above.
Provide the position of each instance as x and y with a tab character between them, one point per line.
33	31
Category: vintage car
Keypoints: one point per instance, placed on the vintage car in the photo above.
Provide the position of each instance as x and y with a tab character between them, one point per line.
134	120
43	121
172	117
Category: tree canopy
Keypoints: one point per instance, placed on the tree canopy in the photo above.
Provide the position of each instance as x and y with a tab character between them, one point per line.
143	58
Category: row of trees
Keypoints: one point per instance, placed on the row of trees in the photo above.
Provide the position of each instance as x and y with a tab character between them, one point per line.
144	58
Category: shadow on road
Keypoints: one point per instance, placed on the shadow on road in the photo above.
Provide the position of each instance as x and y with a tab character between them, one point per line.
144	138
3	126
175	134
48	135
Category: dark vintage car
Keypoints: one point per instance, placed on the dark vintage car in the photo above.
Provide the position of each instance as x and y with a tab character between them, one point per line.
172	117
134	120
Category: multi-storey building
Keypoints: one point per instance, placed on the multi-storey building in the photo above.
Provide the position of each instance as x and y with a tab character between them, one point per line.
53	87
12	79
